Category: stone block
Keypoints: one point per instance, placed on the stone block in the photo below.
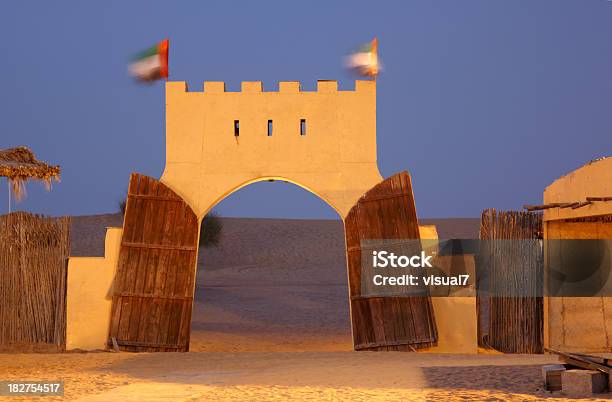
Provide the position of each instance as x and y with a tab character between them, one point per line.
583	382
551	376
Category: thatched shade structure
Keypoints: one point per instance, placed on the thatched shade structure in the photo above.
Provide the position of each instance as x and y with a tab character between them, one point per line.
19	165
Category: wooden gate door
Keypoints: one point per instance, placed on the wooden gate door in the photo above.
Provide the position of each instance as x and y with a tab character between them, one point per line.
401	323
154	284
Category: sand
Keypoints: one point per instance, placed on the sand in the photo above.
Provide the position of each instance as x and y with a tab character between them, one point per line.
271	322
200	376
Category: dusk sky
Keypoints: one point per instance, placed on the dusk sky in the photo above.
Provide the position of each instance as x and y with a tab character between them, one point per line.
484	102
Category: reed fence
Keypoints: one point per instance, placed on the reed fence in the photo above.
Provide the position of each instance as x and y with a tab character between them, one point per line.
510	295
33	266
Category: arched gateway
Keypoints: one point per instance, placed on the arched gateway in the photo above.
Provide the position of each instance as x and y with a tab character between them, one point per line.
218	142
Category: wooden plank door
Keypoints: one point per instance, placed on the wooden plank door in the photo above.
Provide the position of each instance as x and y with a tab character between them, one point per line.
401	323
154	284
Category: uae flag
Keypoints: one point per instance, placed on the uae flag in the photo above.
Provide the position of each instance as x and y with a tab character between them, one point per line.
365	61
151	64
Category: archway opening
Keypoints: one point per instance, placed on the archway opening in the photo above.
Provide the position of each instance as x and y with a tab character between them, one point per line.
277	280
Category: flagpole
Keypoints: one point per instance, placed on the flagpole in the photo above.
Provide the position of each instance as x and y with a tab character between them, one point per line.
8	182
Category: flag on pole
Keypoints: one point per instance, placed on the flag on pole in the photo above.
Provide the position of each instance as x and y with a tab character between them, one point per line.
365	61
151	64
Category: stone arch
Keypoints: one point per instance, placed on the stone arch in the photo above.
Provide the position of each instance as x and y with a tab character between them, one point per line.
338	192
333	205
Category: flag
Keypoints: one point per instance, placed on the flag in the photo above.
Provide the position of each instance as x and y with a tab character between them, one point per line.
365	60
151	64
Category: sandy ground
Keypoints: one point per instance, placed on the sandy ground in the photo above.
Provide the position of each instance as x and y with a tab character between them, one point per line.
201	376
271	322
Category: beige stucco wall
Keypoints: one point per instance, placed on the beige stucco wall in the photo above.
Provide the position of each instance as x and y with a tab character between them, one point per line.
591	180
429	239
456	316
89	296
335	160
579	323
456	321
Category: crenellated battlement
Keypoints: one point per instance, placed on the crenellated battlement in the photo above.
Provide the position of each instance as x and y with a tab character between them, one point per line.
289	87
218	141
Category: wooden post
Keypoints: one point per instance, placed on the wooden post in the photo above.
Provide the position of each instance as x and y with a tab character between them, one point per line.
545	318
8	182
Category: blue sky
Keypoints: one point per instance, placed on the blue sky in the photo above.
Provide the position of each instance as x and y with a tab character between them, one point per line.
484	102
